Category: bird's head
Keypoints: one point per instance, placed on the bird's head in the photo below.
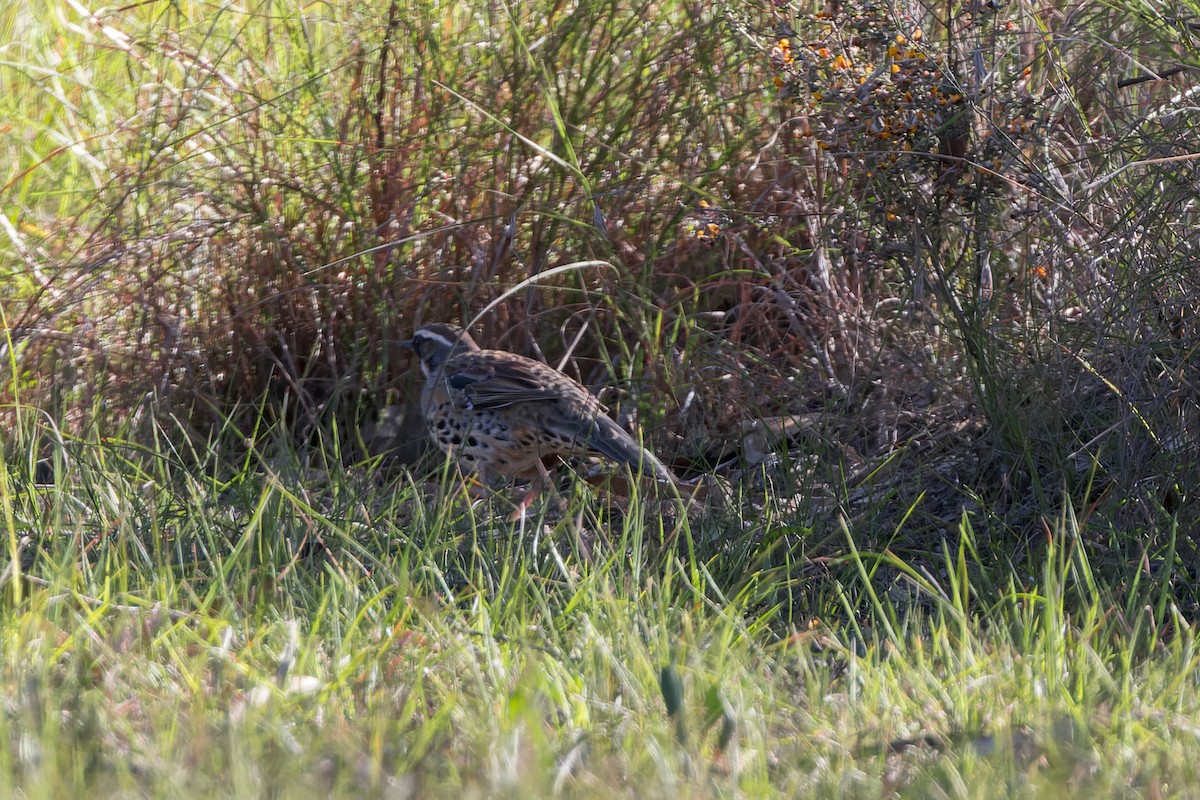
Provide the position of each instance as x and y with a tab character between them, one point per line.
436	342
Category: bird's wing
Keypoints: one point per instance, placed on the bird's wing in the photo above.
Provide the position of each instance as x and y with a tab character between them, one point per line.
578	416
498	385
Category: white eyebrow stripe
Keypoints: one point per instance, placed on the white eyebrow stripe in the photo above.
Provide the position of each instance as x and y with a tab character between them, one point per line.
437	337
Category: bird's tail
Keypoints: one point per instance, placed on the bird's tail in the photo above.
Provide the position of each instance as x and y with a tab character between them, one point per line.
608	439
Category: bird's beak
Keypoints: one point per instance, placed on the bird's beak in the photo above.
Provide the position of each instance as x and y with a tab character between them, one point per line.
407	344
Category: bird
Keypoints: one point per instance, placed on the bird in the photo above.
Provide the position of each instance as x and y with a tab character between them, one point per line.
500	414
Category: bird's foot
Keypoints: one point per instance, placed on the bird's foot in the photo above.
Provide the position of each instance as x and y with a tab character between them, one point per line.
523	506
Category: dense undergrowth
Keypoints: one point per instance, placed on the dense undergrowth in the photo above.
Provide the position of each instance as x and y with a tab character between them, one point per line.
912	286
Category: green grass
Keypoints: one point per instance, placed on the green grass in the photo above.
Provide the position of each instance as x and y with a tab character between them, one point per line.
168	635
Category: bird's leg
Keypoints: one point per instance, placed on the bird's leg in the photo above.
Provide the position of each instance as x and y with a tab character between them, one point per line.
535	489
477	489
537	483
519	514
475	484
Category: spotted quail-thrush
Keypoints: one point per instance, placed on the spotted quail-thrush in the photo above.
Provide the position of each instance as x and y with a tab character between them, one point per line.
499	413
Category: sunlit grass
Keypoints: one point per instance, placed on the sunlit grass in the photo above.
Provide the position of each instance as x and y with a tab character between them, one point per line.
287	632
